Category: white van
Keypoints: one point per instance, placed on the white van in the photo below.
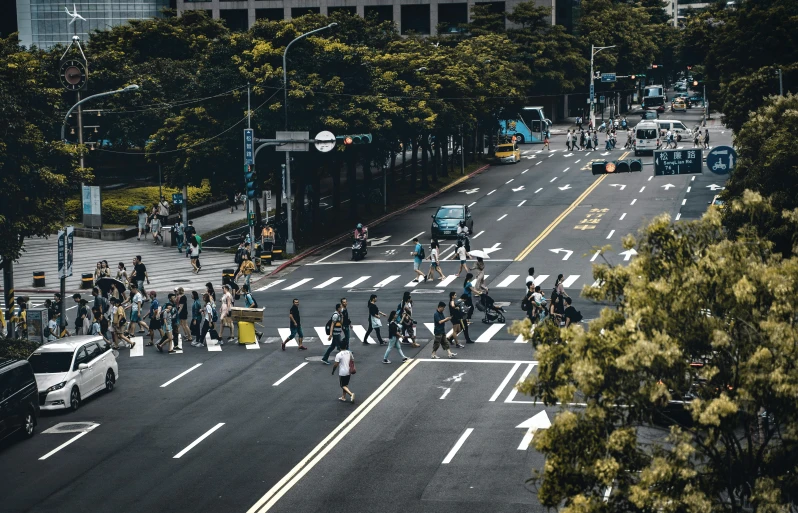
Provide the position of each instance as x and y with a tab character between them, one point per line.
646	137
680	131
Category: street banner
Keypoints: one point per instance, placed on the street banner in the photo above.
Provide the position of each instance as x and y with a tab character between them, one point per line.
70	240
61	254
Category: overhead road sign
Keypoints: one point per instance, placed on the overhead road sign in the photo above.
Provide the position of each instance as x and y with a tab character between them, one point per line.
677	162
608	77
721	160
325	141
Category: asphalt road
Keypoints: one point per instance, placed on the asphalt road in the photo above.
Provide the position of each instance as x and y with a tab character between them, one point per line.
263	428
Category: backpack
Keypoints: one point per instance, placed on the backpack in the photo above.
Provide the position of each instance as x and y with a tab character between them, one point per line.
421	254
214	314
399	312
46	332
525	304
578	317
328	327
238	258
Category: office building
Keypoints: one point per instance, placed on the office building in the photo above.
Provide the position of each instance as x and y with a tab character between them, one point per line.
45	23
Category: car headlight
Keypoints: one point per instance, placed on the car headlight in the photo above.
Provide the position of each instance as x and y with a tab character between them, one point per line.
59	386
434	224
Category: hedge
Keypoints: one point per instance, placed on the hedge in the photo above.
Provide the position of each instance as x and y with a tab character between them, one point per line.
19	349
115	203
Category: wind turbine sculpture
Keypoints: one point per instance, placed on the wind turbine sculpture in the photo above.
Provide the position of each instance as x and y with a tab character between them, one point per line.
74	15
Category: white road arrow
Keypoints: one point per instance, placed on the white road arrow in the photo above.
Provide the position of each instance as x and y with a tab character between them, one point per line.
568	155
532	424
529	156
568	252
622	186
379	240
565	187
470	191
714	187
629	253
667	186
605	154
521	188
495	247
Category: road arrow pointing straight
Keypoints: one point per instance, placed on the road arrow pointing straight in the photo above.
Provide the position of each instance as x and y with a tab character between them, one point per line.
565	187
495	247
470	191
714	187
532	424
568	252
629	253
521	188
622	186
668	186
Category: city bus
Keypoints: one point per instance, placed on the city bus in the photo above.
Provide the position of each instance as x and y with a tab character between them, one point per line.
654	98
530	126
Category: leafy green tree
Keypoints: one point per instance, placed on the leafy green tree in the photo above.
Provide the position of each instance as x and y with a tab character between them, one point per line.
768	164
38	170
689	385
750	91
485	20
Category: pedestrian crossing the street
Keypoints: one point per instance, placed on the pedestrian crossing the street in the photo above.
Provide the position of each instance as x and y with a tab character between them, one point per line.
451	281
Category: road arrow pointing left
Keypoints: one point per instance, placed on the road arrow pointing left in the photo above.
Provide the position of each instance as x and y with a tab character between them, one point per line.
565	187
470	191
521	188
568	252
495	247
629	253
622	186
532	424
714	187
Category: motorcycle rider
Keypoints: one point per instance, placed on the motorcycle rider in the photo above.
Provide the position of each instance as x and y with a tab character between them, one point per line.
361	236
463	235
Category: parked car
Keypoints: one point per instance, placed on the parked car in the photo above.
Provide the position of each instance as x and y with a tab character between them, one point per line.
696	98
447	218
508	153
19	404
71	370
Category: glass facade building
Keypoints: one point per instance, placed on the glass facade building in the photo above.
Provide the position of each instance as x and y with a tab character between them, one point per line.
45	23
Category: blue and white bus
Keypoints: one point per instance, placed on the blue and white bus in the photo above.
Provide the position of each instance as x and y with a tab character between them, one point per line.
529	127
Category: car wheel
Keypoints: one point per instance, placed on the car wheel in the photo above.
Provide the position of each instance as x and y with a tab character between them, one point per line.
29	424
110	380
74	399
519	138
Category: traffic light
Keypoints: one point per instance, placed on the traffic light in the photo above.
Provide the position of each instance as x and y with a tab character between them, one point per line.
353	139
695	83
251	181
598	167
635	165
621	166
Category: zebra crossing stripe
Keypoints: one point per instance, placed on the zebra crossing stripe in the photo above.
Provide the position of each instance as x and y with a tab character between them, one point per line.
270	285
328	282
387	280
507	281
322	335
488	333
570	280
360	333
446	281
540	279
356	282
298	284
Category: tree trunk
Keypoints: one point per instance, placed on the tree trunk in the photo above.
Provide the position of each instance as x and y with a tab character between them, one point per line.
413	164
436	158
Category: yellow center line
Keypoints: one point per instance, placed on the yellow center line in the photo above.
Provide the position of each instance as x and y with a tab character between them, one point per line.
559	219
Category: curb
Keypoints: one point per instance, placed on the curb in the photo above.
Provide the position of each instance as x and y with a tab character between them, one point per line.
377	221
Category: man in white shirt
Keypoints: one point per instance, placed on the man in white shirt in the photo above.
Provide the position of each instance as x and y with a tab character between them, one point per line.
342	360
531	277
568	138
135	310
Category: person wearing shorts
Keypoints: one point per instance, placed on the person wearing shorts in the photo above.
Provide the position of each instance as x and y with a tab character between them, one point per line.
435	264
416	254
439	330
155	318
342	360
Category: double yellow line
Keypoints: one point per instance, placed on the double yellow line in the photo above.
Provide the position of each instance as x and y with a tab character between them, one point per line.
558	220
320	451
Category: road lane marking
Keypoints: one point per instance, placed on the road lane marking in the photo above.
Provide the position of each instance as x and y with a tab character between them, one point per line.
508	181
508	280
650	177
633	201
491	192
539	163
298	284
504	382
477	235
356	282
692	179
198	440
288	481
595	255
684	201
446	281
449	457
524	171
387	280
678	216
180	375
522	203
413	282
277	383
622	216
472	204
578	161
445	393
523	377
138	349
559	219
566	169
570	280
411	238
331	254
502	217
328	282
540	279
688	189
360	333
270	285
642	188
611	233
552	179
73	439
488	333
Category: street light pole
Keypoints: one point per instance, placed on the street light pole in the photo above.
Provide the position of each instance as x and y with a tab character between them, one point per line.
781	86
289	243
593	51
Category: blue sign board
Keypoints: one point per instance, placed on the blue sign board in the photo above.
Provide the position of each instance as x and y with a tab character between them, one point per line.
608	77
249	146
721	160
592	93
677	162
177	198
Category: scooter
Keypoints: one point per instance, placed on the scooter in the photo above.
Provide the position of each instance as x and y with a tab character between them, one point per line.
359	249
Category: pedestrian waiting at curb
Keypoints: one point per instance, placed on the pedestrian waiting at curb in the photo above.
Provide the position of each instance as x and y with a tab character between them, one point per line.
393	339
345	363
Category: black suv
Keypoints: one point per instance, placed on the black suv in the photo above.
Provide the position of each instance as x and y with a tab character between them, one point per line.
19	398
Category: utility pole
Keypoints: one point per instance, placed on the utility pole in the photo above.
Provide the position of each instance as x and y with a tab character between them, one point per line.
250	202
593	51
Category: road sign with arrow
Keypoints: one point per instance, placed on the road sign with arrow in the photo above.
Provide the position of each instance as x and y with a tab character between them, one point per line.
470	191
379	240
565	187
628	254
567	252
532	425
677	162
520	188
667	186
714	187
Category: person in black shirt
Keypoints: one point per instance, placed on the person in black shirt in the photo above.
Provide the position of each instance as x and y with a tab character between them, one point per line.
346	325
83	314
374	320
393	338
295	325
139	275
571	315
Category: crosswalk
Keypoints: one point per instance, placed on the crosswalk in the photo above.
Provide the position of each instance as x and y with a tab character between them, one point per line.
480	333
410	282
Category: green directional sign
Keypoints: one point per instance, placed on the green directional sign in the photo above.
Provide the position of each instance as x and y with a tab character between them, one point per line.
677	162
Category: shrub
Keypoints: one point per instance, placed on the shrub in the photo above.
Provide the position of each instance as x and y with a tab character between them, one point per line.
19	349
115	203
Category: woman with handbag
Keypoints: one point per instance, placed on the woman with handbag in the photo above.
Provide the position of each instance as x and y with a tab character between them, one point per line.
345	363
374	320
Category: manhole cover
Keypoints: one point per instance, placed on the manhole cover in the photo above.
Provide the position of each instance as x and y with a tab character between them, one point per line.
426	291
362	290
313	359
72	427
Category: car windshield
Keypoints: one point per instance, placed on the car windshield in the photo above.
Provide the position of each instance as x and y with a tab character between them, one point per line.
646	133
49	363
450	213
504	147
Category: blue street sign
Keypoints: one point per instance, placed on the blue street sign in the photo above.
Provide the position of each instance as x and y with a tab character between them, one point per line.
177	198
592	93
249	146
721	160
608	77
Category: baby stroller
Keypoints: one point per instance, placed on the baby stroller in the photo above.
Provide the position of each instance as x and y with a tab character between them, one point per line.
494	312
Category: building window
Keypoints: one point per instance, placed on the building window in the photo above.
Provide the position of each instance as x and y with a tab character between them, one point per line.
235	19
346	9
379	12
451	18
415	19
270	14
296	12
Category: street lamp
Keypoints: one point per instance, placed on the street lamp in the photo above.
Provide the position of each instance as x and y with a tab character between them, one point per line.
289	243
593	51
781	86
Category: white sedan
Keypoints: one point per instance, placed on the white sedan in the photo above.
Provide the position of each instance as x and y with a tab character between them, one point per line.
70	370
